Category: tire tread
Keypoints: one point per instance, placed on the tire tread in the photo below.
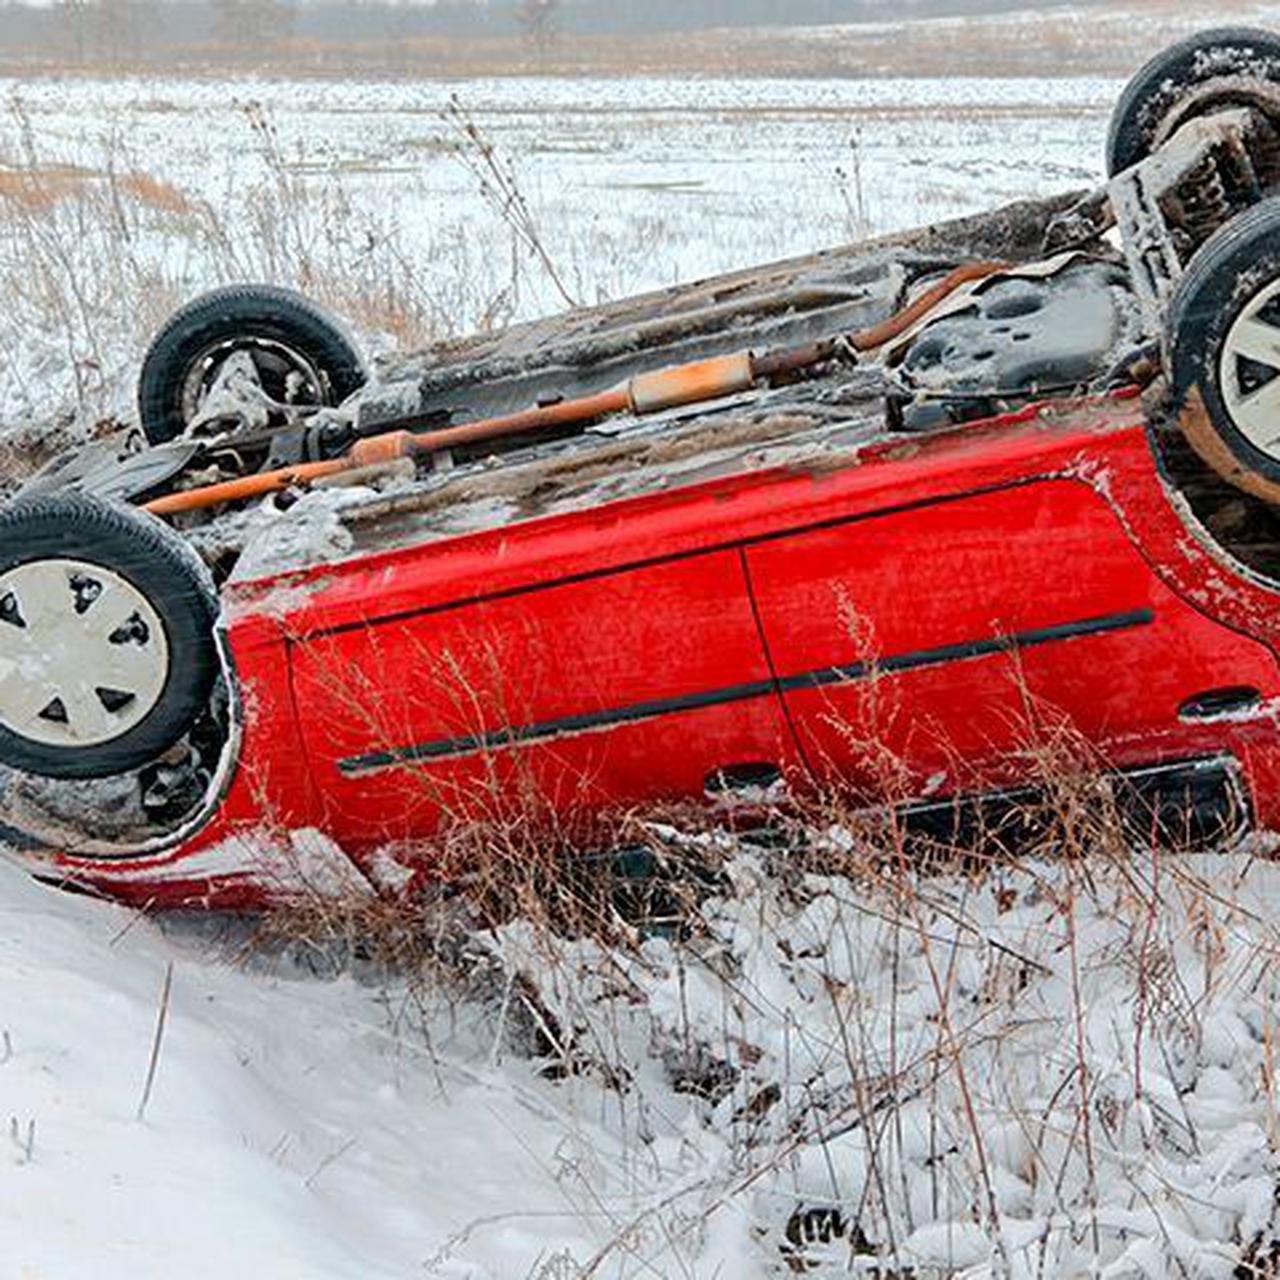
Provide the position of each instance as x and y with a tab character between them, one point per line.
1124	146
224	312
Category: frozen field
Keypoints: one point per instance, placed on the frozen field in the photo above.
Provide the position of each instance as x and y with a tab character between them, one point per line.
633	182
415	219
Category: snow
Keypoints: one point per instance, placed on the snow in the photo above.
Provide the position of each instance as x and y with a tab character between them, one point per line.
1047	1070
915	1053
289	1131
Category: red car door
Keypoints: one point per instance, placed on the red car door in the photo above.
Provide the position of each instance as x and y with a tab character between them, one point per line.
551	696
928	647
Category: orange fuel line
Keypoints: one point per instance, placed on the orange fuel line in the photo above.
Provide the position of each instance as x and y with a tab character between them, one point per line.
682	384
210	495
388	446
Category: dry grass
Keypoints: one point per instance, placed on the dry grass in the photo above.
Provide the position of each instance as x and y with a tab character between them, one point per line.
94	260
37	188
558	946
155	193
832	991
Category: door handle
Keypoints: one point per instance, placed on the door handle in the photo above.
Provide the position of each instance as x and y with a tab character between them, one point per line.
1209	704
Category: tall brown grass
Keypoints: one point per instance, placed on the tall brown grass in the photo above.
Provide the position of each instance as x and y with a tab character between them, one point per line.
94	259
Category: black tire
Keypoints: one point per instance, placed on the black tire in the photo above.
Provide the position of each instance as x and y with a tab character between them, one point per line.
155	562
241	312
1226	274
1205	72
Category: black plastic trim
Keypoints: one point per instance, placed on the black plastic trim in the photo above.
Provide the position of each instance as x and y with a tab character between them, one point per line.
1191	804
465	744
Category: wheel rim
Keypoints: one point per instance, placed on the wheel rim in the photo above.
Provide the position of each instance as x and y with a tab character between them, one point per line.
1219	94
1249	372
284	373
83	655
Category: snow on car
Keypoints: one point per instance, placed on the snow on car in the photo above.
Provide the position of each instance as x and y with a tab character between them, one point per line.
933	495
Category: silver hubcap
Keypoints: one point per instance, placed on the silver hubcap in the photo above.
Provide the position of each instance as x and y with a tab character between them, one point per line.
83	655
1250	371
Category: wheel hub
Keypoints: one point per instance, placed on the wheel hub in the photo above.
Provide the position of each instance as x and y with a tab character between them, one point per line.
83	655
267	376
1250	370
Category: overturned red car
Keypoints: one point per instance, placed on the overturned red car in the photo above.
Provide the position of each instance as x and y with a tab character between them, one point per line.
891	518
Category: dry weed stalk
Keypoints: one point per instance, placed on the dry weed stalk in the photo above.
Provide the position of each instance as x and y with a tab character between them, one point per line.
94	259
500	186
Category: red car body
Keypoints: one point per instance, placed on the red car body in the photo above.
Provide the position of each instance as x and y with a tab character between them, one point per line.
935	601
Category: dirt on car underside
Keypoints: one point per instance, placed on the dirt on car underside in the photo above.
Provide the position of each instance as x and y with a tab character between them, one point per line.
812	422
788	303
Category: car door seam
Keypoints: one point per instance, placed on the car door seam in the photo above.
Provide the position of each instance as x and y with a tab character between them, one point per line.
768	657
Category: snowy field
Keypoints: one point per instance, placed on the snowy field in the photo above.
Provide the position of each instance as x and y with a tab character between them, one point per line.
635	183
1057	1070
118	199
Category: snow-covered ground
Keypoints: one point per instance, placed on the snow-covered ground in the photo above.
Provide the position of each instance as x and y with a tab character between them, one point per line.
1040	1073
710	173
